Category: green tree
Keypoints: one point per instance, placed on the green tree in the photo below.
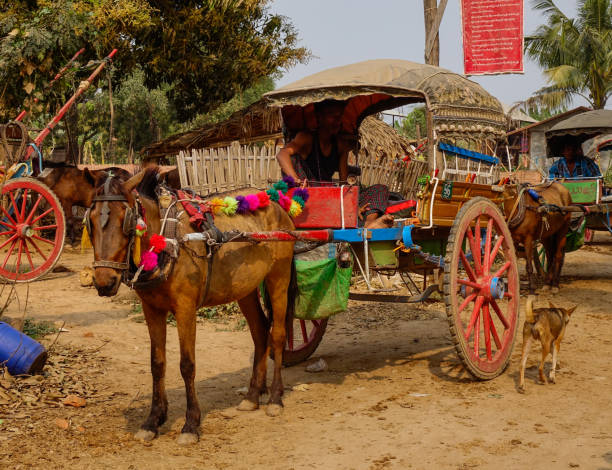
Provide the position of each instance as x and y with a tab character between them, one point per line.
208	50
575	53
408	126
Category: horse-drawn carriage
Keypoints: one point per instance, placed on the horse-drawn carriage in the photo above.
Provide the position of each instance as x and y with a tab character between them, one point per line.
457	233
32	221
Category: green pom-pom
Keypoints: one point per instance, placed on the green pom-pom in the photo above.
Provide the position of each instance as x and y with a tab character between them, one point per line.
281	186
230	206
299	200
273	193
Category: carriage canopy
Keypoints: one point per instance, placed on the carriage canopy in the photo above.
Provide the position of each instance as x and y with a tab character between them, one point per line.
458	106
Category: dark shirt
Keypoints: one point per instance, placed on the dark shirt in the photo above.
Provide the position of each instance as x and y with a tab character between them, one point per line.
319	167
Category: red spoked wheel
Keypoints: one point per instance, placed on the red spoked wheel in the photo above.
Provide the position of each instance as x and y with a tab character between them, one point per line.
32	230
588	235
481	288
303	338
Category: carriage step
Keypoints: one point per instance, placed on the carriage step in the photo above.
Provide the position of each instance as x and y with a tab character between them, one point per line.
407	299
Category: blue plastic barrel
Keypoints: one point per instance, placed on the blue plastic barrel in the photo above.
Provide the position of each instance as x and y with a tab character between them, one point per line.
20	353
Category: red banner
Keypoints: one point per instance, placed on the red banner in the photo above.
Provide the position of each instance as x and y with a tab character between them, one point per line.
492	36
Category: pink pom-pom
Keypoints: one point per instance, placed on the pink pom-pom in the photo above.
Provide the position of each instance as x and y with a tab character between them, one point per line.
253	201
148	260
284	201
264	199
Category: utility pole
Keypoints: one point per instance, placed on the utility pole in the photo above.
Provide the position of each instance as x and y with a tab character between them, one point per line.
433	18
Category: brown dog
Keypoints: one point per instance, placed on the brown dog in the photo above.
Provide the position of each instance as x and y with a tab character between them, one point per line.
548	326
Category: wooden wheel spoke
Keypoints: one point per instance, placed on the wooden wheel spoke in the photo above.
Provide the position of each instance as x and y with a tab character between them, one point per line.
467	300
33	211
28	254
501	316
496	248
24	200
304	332
466	266
478	240
43	239
486	265
17	214
37	248
477	337
48	211
44	227
475	252
503	269
7	232
290	337
487	330
8	255
474	319
8	241
13	224
465	282
19	251
494	331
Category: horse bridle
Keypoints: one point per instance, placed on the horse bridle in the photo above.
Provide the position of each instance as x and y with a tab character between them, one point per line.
129	223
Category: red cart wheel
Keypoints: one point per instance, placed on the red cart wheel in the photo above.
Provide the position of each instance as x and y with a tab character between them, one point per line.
481	288
32	230
303	338
588	235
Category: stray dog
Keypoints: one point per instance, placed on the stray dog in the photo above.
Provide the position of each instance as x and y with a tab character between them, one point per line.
548	326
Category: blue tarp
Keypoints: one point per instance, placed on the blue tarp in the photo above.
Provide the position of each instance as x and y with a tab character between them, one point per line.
465	153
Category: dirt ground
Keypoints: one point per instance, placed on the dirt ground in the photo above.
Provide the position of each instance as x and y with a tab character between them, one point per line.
393	397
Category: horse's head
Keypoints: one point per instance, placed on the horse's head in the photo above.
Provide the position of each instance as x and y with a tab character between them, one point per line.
111	222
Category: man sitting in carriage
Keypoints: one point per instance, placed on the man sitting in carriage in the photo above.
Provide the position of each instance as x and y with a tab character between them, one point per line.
314	157
573	164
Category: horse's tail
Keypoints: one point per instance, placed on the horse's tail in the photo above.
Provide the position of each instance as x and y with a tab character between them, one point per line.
292	293
529	309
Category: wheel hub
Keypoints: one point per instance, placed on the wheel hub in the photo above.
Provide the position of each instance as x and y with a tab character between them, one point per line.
497	288
25	231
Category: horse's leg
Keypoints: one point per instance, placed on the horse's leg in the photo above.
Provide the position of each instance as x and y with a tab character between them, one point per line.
156	322
185	314
258	325
549	247
277	284
529	257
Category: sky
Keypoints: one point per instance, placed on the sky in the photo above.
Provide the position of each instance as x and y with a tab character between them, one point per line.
340	32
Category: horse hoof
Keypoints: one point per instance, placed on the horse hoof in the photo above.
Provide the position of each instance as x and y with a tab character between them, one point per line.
144	435
274	410
545	288
247	405
521	389
555	290
187	438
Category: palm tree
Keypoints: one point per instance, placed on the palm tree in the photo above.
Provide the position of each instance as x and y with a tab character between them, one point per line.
575	53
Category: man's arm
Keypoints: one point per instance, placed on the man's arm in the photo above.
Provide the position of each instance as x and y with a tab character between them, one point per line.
299	145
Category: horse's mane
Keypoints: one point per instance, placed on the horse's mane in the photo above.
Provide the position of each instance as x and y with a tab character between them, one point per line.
148	184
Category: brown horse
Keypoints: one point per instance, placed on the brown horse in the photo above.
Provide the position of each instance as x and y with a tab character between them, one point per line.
234	272
75	187
528	225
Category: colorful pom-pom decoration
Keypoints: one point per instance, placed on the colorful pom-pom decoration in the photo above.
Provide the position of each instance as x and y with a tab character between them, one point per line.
301	193
216	204
231	205
299	200
284	201
157	243
264	199
281	186
289	181
273	194
295	209
243	205
148	261
253	202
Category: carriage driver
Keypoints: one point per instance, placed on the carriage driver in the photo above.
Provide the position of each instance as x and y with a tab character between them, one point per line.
316	156
573	164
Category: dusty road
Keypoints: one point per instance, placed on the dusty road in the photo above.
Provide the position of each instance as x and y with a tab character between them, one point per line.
394	396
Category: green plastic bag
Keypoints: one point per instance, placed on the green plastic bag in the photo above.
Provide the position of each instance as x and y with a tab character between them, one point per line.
575	237
323	288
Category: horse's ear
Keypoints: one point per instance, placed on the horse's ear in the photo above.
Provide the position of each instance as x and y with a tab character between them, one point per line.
89	177
134	181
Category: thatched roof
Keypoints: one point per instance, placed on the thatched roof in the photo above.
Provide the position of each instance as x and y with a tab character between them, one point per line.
259	123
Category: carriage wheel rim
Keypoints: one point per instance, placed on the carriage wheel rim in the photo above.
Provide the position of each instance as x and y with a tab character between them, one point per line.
306	337
22	229
480	316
